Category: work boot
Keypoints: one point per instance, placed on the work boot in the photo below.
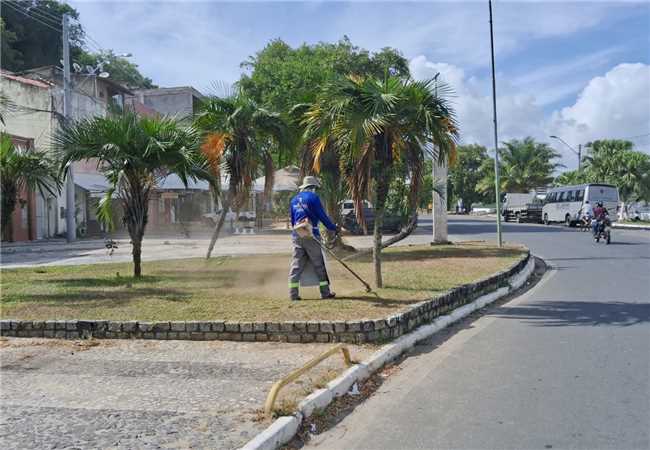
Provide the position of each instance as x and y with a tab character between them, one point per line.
293	291
330	295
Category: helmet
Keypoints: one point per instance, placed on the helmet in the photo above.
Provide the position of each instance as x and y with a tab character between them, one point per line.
600	203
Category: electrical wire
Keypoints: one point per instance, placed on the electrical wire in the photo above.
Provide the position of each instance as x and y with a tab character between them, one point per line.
43	12
47	17
22	11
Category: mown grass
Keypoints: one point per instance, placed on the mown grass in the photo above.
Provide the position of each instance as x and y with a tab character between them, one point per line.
241	288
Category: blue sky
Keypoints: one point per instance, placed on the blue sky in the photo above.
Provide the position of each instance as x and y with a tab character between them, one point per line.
563	68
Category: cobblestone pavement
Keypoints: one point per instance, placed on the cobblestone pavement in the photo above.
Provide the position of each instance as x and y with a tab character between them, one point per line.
142	394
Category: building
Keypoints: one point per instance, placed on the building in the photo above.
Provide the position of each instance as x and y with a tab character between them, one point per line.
180	102
38	96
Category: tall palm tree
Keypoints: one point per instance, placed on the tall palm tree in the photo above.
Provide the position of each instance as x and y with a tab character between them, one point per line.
239	137
376	122
524	165
134	153
22	168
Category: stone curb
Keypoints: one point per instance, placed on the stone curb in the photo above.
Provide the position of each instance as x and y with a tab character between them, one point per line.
286	427
354	331
630	226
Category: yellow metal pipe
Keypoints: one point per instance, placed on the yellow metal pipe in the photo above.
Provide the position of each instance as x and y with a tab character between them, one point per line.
275	389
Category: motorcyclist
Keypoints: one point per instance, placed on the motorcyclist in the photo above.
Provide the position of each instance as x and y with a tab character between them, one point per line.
600	218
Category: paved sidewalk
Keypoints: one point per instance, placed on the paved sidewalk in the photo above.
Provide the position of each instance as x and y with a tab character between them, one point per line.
142	394
160	248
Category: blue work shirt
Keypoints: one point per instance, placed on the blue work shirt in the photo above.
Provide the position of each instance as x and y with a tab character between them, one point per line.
307	204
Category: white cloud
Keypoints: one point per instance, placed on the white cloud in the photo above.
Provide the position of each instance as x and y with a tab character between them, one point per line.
518	113
616	105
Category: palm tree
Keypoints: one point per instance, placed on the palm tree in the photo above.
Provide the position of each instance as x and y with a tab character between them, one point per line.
527	164
239	137
524	165
134	153
19	169
375	123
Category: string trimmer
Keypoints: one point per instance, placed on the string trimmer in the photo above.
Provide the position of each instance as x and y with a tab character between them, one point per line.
329	250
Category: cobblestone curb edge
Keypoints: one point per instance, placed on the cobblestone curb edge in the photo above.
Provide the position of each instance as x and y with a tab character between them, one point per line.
285	428
355	331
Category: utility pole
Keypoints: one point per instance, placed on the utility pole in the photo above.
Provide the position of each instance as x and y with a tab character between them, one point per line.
496	139
579	156
439	205
70	219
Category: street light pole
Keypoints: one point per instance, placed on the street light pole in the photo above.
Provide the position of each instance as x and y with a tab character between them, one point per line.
496	139
578	152
70	219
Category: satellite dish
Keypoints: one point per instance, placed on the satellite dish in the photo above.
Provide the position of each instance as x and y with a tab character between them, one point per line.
104	75
61	61
76	67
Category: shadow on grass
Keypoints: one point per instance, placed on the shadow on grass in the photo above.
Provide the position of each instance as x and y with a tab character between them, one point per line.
448	252
104	282
88	297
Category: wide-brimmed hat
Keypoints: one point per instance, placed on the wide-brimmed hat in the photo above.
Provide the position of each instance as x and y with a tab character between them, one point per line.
309	181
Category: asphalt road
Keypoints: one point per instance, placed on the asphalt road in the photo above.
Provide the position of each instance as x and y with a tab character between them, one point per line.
564	366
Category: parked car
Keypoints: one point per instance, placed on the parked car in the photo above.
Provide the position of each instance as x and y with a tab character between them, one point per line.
522	208
392	224
212	218
347	206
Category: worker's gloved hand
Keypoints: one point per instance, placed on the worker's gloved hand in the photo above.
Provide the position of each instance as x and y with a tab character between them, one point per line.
338	230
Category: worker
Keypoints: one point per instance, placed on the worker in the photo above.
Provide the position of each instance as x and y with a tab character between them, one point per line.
307	212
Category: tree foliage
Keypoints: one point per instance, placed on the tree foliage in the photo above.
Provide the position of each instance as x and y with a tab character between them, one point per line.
20	169
239	136
524	165
31	43
375	124
465	175
120	69
134	153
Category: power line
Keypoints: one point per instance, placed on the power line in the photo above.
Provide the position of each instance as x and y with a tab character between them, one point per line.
57	18
47	17
22	11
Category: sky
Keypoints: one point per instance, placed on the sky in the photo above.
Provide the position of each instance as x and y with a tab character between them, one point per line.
578	70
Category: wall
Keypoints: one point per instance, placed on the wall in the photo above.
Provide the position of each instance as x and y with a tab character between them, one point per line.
177	104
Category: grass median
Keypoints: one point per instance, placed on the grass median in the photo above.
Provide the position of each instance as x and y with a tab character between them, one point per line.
246	288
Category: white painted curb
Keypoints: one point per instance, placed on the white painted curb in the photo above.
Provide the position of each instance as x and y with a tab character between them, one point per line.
284	428
630	226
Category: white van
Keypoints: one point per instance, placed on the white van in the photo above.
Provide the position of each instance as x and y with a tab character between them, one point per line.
563	204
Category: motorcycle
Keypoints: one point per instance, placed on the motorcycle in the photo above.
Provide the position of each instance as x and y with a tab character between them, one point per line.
603	230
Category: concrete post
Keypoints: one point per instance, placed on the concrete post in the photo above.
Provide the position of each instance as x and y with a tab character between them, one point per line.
440	203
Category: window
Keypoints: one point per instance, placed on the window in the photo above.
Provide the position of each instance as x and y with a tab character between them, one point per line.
550	197
580	195
560	197
569	196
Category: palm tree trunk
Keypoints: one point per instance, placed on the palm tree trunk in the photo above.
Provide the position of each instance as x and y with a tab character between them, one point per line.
136	209
220	222
403	234
380	209
9	195
137	257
